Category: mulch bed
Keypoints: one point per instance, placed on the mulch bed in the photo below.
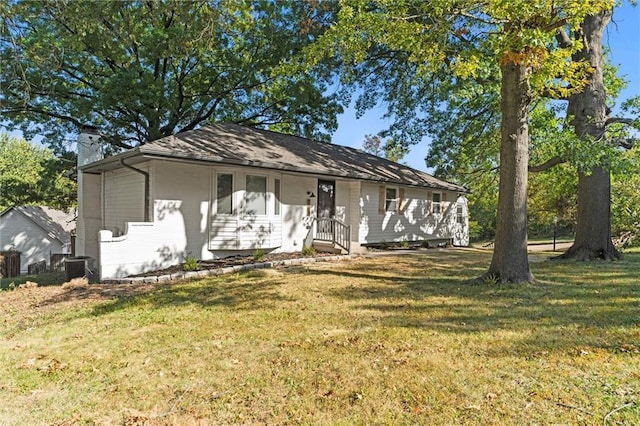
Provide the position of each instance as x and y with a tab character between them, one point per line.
205	265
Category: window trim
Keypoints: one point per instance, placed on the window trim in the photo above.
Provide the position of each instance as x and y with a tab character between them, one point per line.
438	203
387	200
277	196
460	216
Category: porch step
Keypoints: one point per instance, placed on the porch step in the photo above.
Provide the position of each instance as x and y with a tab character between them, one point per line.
327	247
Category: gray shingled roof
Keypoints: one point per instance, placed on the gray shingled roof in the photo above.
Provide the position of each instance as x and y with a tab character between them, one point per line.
57	223
238	145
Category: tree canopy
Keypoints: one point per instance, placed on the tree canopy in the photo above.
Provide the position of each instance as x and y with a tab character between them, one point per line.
143	70
396	48
33	175
388	148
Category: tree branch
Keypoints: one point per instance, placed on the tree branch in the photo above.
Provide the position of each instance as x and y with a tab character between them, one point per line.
563	39
553	161
481	19
627	143
622	120
47	113
555	25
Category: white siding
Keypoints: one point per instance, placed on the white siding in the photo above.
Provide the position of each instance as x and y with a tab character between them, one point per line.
123	199
413	222
181	196
255	232
145	247
17	232
296	216
354	213
343	193
224	233
461	230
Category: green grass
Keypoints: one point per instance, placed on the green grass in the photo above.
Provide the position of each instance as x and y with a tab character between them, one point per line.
390	340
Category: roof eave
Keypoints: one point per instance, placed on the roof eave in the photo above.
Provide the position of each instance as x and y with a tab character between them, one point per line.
146	152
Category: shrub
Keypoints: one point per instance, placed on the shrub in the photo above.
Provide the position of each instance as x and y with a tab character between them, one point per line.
258	255
190	263
308	251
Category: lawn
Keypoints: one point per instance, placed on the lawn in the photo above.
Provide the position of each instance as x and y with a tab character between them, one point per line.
386	340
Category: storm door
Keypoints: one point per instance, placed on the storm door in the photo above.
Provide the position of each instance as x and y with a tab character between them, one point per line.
326	198
326	208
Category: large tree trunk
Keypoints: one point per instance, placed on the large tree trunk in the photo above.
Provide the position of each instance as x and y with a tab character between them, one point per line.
589	111
593	231
510	262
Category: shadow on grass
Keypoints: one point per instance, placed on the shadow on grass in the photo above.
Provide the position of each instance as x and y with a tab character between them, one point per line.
239	292
572	305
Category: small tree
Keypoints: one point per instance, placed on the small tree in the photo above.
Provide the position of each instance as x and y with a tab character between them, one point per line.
388	149
32	175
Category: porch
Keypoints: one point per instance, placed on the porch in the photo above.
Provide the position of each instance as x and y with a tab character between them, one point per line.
331	235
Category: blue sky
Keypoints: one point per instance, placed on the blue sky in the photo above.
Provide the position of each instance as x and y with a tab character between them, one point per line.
622	37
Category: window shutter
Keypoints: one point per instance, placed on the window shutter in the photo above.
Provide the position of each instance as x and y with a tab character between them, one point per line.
429	202
401	201
381	199
444	197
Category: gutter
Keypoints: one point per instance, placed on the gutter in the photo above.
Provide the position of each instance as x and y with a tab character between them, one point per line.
146	187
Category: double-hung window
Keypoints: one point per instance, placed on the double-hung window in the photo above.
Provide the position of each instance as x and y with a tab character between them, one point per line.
460	214
256	195
391	200
435	203
224	193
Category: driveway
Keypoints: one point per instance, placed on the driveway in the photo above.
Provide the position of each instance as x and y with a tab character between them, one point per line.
560	247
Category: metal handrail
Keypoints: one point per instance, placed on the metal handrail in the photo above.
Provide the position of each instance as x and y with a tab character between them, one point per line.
331	229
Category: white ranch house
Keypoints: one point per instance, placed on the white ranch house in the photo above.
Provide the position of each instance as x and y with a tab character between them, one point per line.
226	189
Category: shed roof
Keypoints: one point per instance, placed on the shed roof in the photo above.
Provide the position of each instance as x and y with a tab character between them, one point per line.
237	145
57	223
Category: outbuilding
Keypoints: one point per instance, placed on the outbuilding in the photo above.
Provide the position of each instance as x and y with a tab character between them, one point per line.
39	233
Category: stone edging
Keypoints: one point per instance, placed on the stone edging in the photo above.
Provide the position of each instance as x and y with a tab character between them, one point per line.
222	271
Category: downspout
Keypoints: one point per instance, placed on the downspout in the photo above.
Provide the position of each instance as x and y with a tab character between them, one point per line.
146	187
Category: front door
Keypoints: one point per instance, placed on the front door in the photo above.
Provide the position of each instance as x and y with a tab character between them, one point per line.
326	198
326	209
